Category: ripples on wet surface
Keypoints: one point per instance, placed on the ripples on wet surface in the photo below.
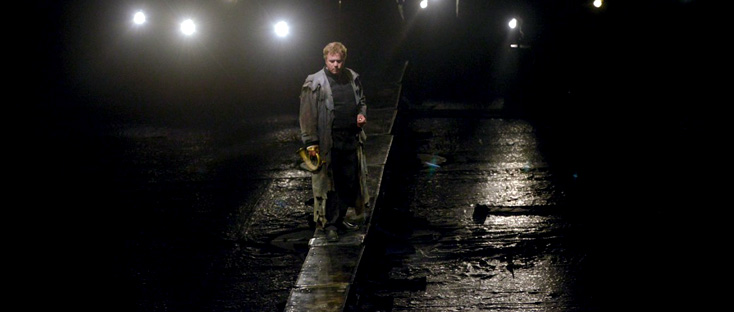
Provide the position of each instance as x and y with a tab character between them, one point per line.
472	218
474	222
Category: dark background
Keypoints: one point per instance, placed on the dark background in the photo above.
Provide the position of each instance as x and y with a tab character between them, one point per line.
650	55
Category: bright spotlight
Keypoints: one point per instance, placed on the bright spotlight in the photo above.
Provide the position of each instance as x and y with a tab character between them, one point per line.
188	27
597	3
512	23
424	4
139	18
282	29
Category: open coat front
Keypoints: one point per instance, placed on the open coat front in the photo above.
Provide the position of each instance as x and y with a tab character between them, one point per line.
316	118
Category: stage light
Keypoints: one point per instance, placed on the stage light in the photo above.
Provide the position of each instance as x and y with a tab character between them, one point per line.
139	18
512	23
188	27
282	29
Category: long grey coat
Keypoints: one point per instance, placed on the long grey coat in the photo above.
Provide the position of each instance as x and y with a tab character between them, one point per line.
316	117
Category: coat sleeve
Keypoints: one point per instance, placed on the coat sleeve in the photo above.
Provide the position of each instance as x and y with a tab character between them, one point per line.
309	112
362	104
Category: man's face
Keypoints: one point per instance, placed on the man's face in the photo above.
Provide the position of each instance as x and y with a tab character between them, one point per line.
334	63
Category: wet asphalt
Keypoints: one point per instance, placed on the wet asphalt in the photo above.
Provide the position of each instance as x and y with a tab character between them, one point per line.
483	211
482	208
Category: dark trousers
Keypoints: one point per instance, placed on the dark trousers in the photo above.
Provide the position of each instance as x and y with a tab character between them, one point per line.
345	168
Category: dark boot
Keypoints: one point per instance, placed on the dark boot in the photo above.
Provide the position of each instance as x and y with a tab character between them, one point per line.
331	235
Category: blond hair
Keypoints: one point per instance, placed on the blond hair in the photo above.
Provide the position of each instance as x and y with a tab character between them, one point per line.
335	48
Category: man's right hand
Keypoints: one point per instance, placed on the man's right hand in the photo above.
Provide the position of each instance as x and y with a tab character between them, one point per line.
313	150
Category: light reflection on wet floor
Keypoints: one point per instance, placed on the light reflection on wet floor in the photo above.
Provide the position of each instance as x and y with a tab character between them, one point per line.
252	211
438	255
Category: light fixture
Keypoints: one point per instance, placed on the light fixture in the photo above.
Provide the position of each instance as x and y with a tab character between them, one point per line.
281	29
139	18
188	27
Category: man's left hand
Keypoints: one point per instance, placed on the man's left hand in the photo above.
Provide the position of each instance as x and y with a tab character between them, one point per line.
361	120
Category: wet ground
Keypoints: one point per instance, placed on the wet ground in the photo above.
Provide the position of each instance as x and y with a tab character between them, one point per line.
474	218
189	218
485	210
481	210
489	210
166	215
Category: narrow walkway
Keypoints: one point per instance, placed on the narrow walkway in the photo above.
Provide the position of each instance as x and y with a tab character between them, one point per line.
330	267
